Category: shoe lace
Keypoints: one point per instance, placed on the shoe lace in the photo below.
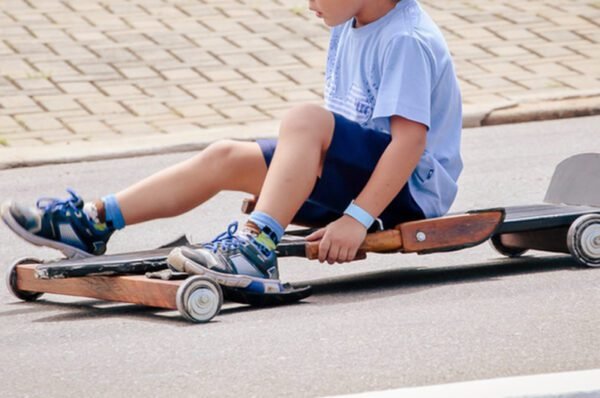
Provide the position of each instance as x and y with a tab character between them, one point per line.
226	241
53	204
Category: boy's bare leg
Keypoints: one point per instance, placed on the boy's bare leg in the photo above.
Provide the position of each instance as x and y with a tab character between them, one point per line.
224	165
305	135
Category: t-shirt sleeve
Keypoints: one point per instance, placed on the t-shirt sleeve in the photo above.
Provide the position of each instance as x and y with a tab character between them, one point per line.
406	80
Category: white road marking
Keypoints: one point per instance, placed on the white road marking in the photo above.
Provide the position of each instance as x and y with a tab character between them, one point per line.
564	385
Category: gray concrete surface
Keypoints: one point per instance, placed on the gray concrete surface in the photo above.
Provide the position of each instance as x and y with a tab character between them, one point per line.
388	322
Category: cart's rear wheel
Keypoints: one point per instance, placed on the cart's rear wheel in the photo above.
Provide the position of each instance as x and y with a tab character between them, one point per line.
199	299
512	252
583	240
11	280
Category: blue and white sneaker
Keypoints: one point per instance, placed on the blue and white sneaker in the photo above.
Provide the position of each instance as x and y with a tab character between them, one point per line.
60	224
246	260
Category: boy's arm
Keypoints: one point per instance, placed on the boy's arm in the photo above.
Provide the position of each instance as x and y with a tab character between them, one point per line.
395	166
341	239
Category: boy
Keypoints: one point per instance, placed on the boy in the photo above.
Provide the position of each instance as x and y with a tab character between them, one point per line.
385	146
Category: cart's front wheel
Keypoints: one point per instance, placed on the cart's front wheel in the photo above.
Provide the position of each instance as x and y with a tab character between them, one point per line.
199	299
583	240
512	252
11	280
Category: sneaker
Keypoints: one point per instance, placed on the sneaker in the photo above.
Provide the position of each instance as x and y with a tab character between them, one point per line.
234	260
60	224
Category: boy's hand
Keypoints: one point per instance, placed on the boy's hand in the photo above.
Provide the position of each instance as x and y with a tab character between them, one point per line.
340	240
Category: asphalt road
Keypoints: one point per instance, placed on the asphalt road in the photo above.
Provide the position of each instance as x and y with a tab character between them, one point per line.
388	322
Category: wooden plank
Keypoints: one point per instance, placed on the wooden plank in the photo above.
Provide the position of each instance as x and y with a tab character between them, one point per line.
248	205
450	232
135	289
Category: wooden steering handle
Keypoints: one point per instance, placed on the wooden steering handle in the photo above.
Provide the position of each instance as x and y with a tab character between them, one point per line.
378	242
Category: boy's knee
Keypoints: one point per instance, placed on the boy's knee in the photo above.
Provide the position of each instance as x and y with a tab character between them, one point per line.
308	119
220	152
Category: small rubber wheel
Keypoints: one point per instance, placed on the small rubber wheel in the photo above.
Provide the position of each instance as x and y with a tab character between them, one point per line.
11	280
583	240
199	299
504	250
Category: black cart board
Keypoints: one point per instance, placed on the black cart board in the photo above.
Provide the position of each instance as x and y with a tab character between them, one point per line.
568	223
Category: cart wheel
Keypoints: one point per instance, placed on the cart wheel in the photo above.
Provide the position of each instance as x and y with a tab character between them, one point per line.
11	280
504	250
583	240
199	299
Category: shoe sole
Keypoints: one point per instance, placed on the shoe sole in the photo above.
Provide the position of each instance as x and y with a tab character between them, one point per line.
9	220
180	262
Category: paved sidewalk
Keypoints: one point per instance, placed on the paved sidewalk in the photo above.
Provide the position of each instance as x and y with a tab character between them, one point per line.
101	77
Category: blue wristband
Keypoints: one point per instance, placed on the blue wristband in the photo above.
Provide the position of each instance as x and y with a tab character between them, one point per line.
359	215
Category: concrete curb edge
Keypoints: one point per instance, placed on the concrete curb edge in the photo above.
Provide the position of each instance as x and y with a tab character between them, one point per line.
583	104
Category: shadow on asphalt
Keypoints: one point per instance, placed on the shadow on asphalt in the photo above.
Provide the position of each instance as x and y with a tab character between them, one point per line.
347	288
403	279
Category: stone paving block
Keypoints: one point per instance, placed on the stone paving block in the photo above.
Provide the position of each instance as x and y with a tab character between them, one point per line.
251	94
222	75
78	88
549	50
36	84
64	139
314	59
101	106
172	128
589	67
135	128
22	135
546	68
18	103
181	74
8	88
56	102
197	57
119	89
207	94
541	83
55	69
38	121
26	143
8	124
28	47
304	76
85	125
54	135
137	72
168	93
295	95
99	70
191	109
270	58
146	107
242	113
262	75
5	50
14	68
223	26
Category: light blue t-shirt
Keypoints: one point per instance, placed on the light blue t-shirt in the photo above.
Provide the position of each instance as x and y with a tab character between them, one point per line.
400	65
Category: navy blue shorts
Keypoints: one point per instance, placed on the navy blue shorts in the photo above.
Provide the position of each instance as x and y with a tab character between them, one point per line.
349	163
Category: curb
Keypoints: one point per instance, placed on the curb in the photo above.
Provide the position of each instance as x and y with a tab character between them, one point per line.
535	109
584	104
